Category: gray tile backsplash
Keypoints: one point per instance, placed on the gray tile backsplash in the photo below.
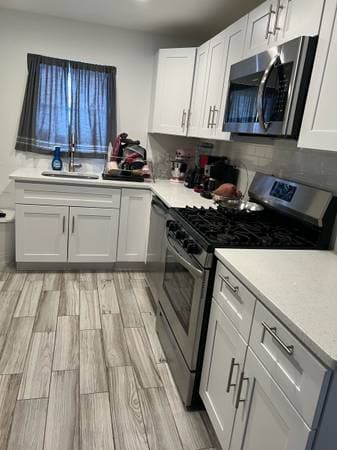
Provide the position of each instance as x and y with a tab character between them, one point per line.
282	158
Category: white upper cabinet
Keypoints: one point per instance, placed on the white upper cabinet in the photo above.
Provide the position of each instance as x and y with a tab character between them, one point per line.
277	21
134	225
198	89
295	18
93	235
173	90
265	418
319	126
234	46
260	23
214	81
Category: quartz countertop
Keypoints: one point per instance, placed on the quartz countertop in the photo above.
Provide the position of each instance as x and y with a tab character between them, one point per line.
174	195
299	287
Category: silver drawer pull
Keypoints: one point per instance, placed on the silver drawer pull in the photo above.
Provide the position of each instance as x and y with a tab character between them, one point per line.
235	289
289	349
230	376
238	398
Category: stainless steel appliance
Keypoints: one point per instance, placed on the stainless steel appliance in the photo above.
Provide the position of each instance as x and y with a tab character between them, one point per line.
267	92
294	217
155	249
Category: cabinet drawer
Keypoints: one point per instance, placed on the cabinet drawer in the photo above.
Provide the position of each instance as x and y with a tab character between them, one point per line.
299	374
58	195
234	299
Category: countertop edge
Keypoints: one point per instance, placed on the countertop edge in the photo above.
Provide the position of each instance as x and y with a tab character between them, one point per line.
311	345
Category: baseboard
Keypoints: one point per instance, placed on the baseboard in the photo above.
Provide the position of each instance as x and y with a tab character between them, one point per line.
52	266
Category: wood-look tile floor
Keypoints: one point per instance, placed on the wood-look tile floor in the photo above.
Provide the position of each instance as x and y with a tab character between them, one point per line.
81	367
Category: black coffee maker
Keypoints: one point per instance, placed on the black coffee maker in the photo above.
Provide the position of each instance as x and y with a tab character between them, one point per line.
216	174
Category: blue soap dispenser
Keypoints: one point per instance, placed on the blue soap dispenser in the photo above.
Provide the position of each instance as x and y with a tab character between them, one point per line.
57	161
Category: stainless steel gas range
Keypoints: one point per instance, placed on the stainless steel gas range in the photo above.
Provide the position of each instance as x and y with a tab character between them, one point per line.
295	217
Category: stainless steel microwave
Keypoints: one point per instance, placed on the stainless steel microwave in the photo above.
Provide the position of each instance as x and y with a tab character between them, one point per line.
267	92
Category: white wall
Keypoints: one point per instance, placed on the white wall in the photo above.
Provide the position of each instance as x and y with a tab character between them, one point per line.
21	33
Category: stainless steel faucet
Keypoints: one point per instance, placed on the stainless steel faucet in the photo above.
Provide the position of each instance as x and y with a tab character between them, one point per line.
72	165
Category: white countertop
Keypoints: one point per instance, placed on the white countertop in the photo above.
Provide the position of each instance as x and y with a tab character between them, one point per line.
174	195
299	287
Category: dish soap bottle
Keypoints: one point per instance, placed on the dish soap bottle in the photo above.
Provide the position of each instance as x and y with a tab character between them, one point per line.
57	161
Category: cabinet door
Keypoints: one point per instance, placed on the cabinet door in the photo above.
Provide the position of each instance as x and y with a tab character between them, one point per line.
224	358
134	225
214	81
294	18
234	46
265	418
41	233
319	126
198	94
259	28
93	234
173	90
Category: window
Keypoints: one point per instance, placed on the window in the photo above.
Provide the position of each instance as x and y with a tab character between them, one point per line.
67	100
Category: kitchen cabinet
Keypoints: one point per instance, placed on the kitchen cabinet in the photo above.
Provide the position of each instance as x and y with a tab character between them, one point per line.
258	28
294	18
265	418
134	225
198	89
41	233
93	234
173	90
224	358
319	126
214	59
213	86
277	21
234	47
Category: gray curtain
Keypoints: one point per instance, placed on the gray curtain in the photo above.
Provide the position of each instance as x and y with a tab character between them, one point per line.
44	121
93	107
66	100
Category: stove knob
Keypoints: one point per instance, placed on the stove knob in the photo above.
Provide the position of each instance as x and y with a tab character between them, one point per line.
186	242
172	225
180	234
193	248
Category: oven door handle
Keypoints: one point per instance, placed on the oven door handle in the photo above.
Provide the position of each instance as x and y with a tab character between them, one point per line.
190	267
262	88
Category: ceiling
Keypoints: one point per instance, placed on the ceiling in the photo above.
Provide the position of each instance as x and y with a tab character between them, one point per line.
192	19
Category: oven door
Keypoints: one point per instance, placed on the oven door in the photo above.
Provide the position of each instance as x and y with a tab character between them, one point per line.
183	298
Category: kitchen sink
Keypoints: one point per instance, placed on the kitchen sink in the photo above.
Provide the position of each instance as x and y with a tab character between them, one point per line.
77	175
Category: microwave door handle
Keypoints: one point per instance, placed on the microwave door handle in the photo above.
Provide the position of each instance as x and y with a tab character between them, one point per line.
190	267
261	91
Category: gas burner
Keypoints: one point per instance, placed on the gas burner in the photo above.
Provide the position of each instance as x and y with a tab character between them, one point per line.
223	227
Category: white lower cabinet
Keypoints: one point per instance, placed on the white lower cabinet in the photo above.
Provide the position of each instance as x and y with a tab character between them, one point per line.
41	233
81	224
224	358
93	234
134	225
265	418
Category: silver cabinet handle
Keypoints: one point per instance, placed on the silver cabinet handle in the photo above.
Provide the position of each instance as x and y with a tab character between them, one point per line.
279	8
260	94
73	225
289	349
238	398
63	224
183	118
268	32
189	118
230	376
209	117
235	289
213	123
